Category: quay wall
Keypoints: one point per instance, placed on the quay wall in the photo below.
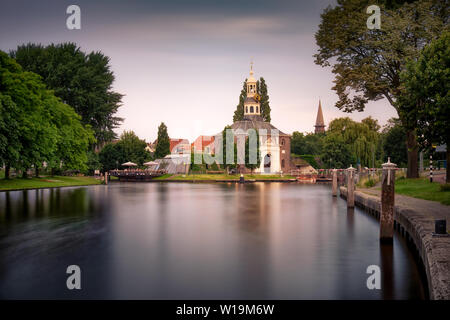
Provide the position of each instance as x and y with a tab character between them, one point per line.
417	228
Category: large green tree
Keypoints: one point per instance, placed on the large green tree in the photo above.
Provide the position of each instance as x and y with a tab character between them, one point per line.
427	85
336	152
9	133
40	127
111	157
367	63
362	138
36	134
309	143
133	148
82	80
163	144
73	138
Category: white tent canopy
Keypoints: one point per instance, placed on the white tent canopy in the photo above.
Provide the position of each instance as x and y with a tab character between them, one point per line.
150	163
129	164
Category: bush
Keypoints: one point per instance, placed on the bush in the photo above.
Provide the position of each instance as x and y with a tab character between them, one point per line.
445	187
369	183
310	159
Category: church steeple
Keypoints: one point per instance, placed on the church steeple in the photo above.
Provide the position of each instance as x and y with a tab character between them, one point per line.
320	124
251	105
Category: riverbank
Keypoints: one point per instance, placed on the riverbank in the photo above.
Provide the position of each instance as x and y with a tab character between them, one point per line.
414	219
46	182
224	178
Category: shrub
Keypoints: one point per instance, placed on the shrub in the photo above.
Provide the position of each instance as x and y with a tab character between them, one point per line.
445	187
369	183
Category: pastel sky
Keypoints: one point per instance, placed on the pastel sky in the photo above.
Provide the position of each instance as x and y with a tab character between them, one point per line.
184	62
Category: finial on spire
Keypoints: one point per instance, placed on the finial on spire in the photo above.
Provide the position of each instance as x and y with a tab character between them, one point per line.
251	66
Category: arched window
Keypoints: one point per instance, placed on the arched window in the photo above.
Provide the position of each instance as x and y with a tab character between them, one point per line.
257	109
282	142
282	163
246	109
251	109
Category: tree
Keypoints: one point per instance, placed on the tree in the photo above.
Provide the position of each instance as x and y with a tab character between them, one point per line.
253	134
362	138
427	85
367	63
336	152
73	139
34	135
111	156
9	134
393	142
239	113
265	107
83	81
41	128
309	143
133	148
163	144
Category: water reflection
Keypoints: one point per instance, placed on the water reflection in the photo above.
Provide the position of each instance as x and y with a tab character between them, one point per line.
196	241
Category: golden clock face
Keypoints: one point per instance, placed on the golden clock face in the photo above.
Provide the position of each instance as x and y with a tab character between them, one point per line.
257	97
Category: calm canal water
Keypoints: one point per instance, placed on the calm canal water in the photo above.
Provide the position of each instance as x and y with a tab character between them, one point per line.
196	241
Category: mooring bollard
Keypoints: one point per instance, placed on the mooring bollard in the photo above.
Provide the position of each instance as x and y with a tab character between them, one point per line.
387	201
440	226
351	187
334	188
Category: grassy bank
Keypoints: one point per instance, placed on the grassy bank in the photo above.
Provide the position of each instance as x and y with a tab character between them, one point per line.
45	182
214	177
422	188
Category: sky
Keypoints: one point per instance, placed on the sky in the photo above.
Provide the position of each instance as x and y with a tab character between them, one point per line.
184	62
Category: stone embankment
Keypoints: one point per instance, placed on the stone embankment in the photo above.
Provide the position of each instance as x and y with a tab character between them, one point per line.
414	219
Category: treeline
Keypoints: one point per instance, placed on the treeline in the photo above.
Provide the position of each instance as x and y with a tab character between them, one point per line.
56	107
348	142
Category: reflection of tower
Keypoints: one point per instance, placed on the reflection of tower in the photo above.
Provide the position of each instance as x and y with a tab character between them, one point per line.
251	103
320	124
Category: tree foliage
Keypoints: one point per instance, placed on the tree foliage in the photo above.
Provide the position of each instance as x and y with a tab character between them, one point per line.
393	140
128	148
367	63
427	97
37	127
163	144
362	138
83	81
308	143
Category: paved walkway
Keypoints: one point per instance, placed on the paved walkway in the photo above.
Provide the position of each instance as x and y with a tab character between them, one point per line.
434	209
